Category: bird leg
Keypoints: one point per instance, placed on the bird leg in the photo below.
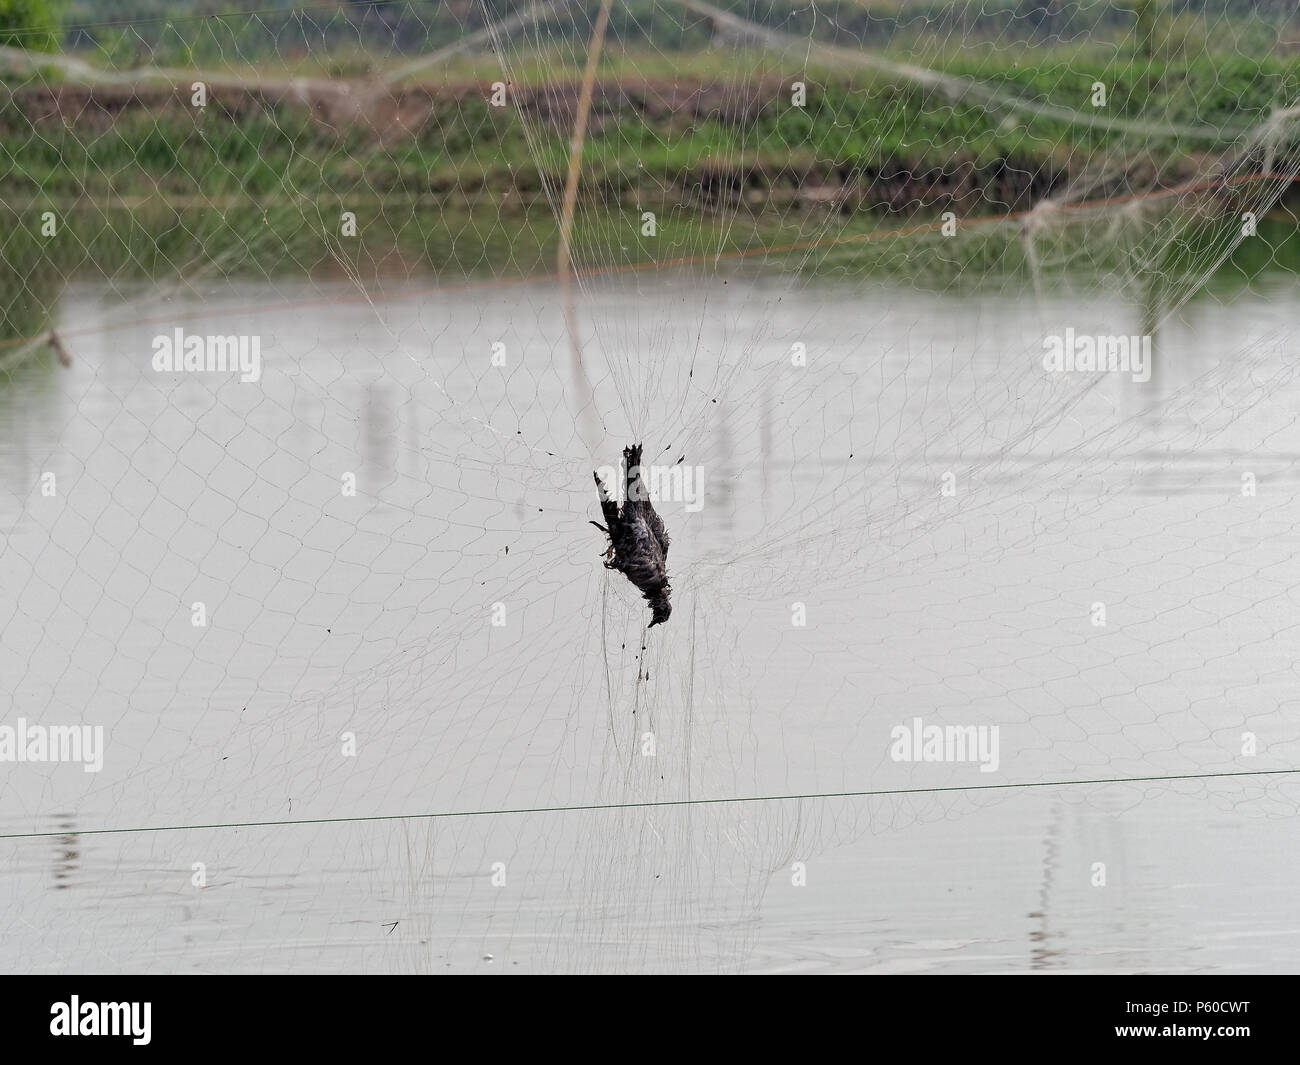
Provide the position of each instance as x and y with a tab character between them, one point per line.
609	551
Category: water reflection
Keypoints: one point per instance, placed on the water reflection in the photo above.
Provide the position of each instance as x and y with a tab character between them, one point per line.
735	705
32	407
379	435
67	850
1042	936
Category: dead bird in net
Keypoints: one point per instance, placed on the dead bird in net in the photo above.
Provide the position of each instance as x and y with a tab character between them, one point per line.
638	541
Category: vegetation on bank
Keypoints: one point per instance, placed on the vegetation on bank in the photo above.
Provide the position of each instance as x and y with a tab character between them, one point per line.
700	131
680	114
883	140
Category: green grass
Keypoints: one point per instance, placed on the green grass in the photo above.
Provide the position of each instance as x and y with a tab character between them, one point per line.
154	187
855	122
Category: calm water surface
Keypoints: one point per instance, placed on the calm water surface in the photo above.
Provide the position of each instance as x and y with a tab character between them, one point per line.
332	616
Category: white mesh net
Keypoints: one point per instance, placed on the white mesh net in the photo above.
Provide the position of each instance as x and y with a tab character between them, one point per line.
369	699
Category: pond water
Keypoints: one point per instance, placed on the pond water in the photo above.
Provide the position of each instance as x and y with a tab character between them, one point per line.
918	522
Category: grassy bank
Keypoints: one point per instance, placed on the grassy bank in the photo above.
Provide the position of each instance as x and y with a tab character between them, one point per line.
444	184
865	138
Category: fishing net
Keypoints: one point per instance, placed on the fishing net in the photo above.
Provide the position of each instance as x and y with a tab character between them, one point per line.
369	698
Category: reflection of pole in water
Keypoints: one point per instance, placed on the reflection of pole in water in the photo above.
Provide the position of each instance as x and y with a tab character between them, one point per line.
379	434
588	427
30	396
1040	952
1097	903
67	853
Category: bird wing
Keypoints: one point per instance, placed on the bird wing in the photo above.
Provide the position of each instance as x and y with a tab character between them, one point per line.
641	559
608	507
657	529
